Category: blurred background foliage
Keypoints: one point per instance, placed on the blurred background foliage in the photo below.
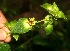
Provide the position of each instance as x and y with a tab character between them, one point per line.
36	40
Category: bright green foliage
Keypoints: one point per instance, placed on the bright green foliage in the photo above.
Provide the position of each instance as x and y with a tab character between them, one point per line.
4	47
61	15
55	14
48	20
54	10
48	24
11	24
22	26
49	29
16	37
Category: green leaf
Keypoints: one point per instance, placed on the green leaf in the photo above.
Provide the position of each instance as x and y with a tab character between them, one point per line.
48	20
49	29
54	7
11	24
47	6
53	10
61	14
16	37
21	26
4	47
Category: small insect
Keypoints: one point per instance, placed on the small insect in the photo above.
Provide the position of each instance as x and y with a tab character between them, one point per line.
31	21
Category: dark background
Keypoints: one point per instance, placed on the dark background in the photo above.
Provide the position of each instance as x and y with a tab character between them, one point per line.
59	40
